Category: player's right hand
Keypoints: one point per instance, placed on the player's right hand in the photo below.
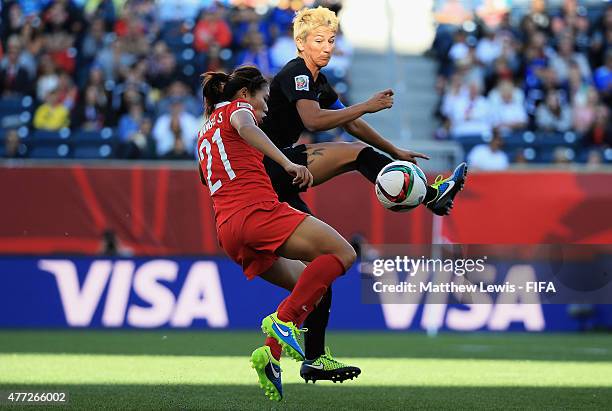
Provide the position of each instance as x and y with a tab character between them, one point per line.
380	101
301	174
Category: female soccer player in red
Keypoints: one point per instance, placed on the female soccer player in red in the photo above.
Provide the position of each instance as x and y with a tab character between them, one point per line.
267	238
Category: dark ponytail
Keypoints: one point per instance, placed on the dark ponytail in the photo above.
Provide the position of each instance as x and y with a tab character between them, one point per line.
218	87
213	84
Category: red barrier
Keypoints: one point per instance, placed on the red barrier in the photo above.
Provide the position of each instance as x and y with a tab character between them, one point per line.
165	211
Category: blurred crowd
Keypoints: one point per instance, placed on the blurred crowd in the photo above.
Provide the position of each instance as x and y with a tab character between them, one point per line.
526	78
131	69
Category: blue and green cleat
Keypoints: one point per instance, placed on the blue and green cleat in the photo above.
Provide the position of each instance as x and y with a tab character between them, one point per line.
446	190
269	372
285	333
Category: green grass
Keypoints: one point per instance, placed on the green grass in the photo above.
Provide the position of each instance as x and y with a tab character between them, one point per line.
209	370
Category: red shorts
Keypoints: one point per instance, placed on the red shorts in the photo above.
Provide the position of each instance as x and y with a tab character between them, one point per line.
251	236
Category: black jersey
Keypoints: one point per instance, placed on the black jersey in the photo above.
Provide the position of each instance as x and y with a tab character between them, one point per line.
294	82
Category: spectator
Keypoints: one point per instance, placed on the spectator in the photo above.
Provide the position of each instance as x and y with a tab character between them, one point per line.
256	54
578	86
489	157
603	78
47	78
281	18
584	110
489	48
99	58
600	133
140	144
594	159
61	48
500	70
566	56
562	156
519	158
179	91
14	22
507	108
538	15
165	136
601	39
179	10
536	71
459	50
115	61
339	65
178	150
456	91
52	115
131	30
470	115
134	83
283	50
245	20
167	72
552	115
130	122
12	145
14	79
67	91
89	115
94	41
211	29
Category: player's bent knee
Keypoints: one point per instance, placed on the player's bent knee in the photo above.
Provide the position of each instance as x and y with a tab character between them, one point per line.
347	256
357	146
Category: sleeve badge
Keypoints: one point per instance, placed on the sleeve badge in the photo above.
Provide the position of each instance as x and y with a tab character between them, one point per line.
301	83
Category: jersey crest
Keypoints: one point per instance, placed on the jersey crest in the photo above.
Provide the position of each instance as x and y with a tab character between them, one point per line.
301	83
242	104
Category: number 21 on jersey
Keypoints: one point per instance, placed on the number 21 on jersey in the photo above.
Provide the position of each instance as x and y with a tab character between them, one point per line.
204	153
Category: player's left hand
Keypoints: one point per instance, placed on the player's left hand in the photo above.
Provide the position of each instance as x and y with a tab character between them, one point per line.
301	174
408	155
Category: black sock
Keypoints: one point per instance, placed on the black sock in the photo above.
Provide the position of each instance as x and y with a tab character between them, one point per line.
316	322
430	195
370	162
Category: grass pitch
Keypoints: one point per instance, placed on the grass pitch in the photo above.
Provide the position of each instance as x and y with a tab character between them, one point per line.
210	370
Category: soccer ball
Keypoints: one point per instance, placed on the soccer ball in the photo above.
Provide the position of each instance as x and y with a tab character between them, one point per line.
401	186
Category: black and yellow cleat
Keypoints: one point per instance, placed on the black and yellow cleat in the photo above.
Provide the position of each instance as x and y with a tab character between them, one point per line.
326	367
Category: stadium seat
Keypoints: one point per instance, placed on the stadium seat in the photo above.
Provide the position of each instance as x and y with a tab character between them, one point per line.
92	151
93	144
10	106
49	144
50	149
547	154
47	135
15	111
556	139
469	142
515	140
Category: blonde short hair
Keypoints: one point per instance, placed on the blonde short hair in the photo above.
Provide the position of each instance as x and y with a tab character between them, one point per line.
306	20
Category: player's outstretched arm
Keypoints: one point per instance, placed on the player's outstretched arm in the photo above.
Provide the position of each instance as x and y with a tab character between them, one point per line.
317	119
245	125
364	132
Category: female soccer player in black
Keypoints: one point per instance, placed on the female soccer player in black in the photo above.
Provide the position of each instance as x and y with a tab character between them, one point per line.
302	99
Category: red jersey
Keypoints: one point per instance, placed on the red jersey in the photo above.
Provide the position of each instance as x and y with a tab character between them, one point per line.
233	168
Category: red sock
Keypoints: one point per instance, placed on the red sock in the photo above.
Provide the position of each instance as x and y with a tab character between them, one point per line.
275	348
310	287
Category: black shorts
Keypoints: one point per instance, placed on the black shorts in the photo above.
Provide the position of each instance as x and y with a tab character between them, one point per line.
283	181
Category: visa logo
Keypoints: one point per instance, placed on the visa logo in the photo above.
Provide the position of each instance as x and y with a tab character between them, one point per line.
201	296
